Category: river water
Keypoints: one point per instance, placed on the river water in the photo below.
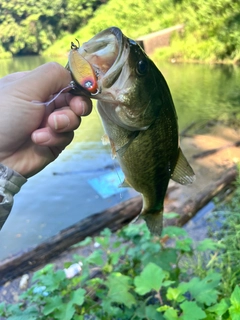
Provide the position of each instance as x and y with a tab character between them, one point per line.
84	179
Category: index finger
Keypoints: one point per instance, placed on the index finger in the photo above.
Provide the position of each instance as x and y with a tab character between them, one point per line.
12	77
45	81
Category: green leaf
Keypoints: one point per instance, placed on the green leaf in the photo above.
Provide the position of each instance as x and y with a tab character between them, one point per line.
174	232
151	278
103	240
204	290
31	313
52	304
106	233
167	283
85	242
111	310
184	244
48	269
207	244
144	311
77	297
235	297
96	257
191	311
166	259
115	256
234	310
78	317
171	314
151	313
175	294
65	311
54	280
118	285
219	308
2	308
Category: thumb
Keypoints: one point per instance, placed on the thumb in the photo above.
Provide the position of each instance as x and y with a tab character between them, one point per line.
45	80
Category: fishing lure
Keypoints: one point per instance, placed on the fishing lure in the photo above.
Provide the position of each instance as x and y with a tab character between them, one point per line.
81	70
47	103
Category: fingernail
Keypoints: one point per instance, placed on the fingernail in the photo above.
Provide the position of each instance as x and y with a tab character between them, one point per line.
61	121
41	137
84	109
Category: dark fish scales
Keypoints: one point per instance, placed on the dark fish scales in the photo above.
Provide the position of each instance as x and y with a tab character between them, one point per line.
139	118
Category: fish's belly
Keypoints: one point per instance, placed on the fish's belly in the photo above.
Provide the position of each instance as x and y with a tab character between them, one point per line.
147	169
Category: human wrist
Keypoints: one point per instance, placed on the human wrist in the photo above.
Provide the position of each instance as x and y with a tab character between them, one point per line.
19	165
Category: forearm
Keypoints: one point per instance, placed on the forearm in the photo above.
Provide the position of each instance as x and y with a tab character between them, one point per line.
10	184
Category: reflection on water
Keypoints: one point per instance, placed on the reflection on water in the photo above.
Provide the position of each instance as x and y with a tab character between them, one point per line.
70	189
203	92
25	63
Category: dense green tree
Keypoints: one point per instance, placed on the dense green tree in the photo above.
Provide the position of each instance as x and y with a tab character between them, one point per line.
29	26
212	28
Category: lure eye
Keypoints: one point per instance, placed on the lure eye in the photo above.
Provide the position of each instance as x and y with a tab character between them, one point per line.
89	84
142	67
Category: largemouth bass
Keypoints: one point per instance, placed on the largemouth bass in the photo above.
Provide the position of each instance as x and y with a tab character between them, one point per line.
139	118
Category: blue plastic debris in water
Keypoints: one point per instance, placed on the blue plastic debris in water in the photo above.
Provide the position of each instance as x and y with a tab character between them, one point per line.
107	185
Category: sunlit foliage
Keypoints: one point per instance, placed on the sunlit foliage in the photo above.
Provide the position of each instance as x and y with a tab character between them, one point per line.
29	26
212	28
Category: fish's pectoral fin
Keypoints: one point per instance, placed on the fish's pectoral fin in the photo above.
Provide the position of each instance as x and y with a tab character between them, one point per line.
124	184
124	148
105	139
183	172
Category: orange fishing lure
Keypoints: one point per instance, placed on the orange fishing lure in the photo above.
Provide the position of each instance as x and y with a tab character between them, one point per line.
81	70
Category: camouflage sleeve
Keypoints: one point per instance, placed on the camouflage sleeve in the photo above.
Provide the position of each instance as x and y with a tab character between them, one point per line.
10	184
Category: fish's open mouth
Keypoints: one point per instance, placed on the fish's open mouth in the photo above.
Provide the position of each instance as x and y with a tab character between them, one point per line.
105	54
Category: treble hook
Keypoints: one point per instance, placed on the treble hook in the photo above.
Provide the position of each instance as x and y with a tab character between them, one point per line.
74	46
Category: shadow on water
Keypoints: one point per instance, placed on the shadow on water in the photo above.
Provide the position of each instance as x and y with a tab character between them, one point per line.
84	179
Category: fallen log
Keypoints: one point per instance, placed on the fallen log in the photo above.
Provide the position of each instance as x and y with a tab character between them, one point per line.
113	218
192	206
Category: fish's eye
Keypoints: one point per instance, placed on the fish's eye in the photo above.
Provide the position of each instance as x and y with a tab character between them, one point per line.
142	67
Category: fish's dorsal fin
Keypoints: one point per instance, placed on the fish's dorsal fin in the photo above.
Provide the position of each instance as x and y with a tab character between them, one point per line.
183	172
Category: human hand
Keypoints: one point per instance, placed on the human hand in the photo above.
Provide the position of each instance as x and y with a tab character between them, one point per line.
31	134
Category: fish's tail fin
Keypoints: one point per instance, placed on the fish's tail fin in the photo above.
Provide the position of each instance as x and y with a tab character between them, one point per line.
154	221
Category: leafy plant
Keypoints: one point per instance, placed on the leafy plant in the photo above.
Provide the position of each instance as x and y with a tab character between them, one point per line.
136	277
